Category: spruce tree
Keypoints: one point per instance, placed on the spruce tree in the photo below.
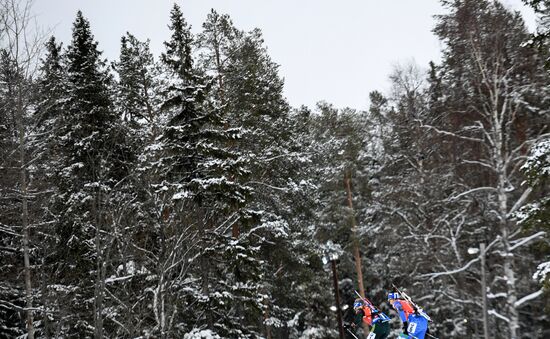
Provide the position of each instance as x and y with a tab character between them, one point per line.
91	162
50	86
47	119
201	176
178	57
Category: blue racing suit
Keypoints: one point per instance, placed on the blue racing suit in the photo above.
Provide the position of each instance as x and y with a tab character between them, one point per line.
416	328
417	325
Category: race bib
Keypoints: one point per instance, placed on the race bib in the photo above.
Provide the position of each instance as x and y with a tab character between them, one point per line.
371	335
411	328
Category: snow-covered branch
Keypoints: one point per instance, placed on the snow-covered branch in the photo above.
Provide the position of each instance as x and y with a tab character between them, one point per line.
432	276
473	190
529	297
498	315
267	185
527	240
520	201
452	134
481	163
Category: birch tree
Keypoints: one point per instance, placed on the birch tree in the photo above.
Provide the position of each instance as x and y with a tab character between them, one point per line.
496	114
21	46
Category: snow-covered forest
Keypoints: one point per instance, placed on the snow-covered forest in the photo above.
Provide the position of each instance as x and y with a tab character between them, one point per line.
181	196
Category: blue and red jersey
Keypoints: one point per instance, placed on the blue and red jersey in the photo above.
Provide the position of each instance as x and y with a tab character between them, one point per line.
417	325
404	309
370	316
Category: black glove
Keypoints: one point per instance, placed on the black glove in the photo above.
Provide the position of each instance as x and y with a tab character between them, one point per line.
405	325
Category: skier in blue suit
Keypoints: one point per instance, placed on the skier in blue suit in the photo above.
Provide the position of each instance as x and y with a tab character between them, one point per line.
415	326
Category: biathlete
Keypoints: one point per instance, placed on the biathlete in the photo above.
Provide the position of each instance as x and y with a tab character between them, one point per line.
415	326
378	322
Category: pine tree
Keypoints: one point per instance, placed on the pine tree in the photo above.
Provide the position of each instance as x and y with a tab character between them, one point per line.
136	86
91	162
253	83
217	42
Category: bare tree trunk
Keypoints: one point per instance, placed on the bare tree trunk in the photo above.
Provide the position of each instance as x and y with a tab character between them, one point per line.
484	292
24	210
23	180
161	304
509	273
45	303
220	75
23	49
500	153
204	277
235	230
337	299
98	305
267	327
206	291
356	253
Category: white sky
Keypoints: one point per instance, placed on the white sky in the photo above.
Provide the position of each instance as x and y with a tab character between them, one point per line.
337	51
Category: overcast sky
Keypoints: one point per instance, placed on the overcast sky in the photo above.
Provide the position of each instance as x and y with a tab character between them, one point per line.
337	51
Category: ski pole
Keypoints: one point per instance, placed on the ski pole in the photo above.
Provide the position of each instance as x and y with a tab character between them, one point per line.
365	299
359	295
431	336
350	332
414	305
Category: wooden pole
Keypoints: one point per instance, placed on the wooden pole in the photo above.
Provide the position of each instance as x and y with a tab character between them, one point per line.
484	292
337	297
356	253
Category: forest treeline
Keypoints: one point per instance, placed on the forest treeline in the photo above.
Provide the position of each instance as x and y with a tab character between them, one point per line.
181	196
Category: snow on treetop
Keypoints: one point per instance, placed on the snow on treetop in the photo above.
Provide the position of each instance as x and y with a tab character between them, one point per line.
201	334
331	251
313	332
473	250
543	270
181	195
539	158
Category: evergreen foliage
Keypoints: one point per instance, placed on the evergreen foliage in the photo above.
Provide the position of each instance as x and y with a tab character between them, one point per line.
183	197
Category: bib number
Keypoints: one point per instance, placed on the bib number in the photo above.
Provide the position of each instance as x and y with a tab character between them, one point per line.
371	336
411	328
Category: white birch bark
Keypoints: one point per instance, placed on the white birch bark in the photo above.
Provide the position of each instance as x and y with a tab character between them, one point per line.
22	45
